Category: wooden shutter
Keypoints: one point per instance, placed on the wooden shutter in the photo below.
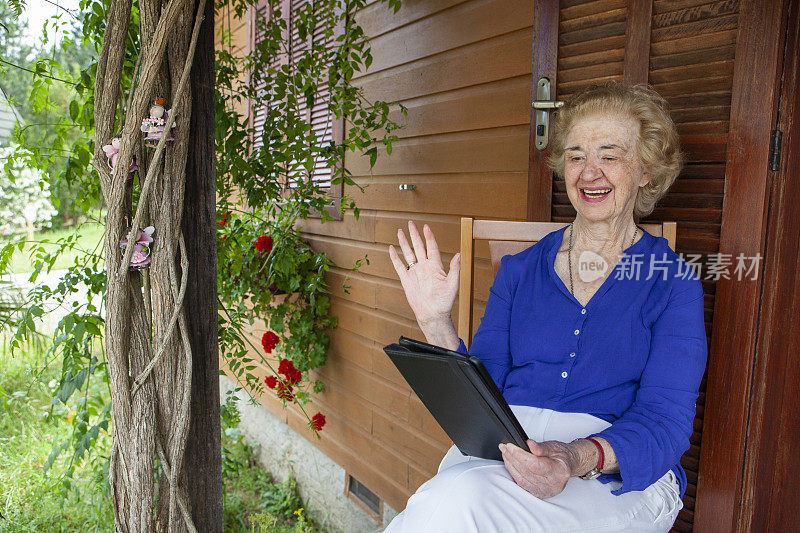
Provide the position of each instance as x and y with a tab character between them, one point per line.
689	61
297	48
318	116
260	15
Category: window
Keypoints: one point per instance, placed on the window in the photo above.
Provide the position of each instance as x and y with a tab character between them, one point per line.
323	123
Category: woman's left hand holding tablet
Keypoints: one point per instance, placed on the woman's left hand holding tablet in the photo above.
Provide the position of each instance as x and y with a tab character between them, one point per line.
544	471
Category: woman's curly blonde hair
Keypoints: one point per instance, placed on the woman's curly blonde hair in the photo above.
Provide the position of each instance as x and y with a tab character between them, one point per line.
658	146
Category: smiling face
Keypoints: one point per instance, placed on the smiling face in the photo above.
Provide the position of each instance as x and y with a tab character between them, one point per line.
602	170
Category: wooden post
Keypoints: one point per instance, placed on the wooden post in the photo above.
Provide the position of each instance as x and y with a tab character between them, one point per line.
203	462
754	104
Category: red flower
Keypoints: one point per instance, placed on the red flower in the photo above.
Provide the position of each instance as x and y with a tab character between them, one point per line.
285	391
271	381
269	341
293	376
285	366
264	243
317	421
224	219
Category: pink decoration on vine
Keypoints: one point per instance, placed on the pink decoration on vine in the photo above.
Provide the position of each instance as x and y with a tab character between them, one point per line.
141	247
112	153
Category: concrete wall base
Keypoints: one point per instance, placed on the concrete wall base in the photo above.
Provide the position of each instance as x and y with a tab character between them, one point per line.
320	481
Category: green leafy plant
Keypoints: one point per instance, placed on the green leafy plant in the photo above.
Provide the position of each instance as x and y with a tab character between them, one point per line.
264	186
267	188
252	498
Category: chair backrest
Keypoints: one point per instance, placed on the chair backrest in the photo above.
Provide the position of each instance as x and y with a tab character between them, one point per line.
507	238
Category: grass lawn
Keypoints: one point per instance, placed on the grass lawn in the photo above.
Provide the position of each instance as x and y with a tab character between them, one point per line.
31	500
90	234
32	423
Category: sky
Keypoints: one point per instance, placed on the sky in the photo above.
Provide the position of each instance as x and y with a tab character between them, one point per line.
37	11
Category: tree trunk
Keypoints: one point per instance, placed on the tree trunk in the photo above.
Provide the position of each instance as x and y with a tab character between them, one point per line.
204	463
156	402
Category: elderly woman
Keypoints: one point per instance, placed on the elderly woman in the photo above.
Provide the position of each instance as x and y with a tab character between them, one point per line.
602	372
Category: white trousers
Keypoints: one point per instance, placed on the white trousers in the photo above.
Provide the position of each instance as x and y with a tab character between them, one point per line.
478	495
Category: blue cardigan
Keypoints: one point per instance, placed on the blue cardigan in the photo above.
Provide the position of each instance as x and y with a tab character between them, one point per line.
634	356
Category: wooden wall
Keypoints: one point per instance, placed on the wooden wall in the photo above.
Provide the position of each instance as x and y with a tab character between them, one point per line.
463	70
240	32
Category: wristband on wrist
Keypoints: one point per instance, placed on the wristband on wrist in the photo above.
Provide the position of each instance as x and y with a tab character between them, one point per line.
597	470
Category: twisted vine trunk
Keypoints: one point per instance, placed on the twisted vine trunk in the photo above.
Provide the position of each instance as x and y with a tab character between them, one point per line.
151	363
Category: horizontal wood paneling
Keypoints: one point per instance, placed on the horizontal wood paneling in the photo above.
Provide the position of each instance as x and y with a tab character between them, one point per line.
458	26
485	150
462	69
377	18
482	195
489	105
502	57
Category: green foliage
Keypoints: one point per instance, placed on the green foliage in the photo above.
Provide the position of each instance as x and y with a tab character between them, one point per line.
75	349
266	183
251	496
45	84
285	287
263	181
30	499
23	193
64	245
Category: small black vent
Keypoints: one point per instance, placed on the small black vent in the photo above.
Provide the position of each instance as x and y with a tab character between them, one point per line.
364	495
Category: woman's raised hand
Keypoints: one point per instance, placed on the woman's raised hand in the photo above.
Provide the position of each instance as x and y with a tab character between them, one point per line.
430	291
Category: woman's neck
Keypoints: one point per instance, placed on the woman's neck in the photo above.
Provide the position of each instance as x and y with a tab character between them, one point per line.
604	237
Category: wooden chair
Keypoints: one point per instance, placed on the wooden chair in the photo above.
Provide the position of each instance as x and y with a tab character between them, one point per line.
508	238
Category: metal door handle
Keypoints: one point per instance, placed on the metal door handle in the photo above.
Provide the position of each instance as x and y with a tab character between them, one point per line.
543	105
547	104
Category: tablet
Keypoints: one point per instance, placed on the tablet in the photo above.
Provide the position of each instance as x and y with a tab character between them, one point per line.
461	396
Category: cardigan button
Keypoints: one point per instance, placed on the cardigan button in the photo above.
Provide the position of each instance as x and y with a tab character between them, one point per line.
583	311
577	331
564	375
572	354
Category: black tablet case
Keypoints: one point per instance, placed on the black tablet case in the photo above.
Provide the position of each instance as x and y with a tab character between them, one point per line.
461	396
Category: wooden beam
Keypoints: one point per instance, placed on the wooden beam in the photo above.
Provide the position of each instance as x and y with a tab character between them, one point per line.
204	458
753	116
770	491
465	282
545	56
636	67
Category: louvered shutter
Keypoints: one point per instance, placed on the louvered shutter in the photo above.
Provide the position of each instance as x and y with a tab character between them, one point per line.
691	61
327	129
320	117
261	15
297	48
